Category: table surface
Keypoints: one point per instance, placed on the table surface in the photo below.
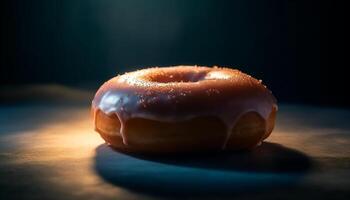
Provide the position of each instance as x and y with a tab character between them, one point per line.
48	150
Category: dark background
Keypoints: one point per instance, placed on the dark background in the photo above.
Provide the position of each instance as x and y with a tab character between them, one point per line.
296	47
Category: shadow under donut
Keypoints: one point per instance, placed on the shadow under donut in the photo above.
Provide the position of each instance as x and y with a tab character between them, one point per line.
218	174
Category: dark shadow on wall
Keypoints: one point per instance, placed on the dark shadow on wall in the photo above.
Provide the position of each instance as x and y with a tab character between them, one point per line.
296	47
268	167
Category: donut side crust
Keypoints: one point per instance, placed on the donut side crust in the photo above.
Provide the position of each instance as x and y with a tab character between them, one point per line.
195	135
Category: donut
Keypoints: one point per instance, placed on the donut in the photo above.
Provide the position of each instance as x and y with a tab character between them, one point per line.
184	109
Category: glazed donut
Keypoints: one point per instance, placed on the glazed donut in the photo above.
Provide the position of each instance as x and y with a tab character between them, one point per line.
183	109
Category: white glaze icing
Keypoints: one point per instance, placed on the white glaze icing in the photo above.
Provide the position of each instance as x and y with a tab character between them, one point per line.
181	93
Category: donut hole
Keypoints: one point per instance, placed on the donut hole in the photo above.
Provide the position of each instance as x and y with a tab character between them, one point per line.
176	76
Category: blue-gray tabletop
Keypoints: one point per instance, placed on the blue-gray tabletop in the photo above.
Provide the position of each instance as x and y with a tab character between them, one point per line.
49	150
